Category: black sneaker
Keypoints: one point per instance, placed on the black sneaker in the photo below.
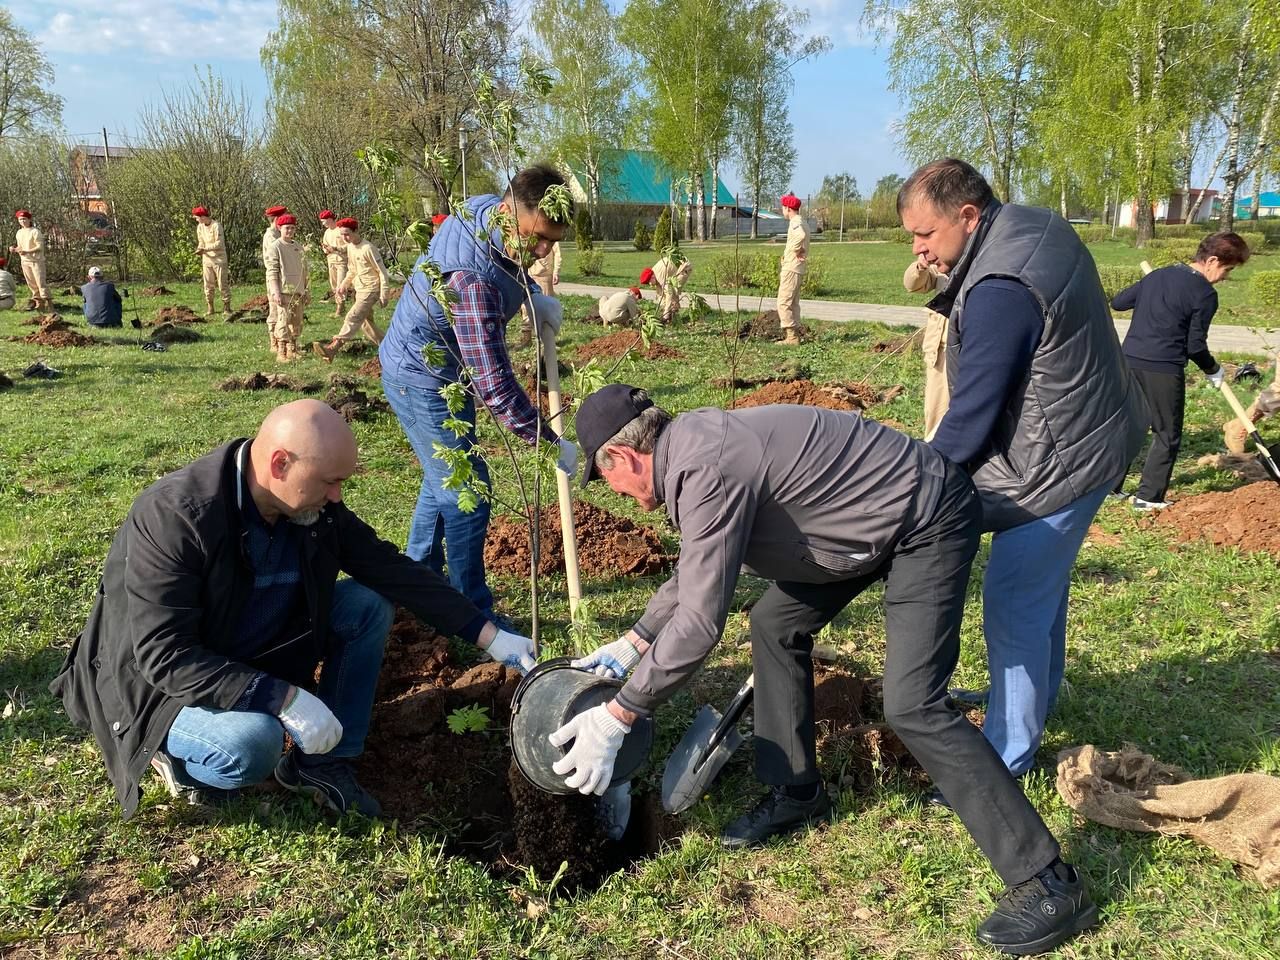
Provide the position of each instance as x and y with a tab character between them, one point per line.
1040	913
331	783
776	814
41	371
969	698
196	796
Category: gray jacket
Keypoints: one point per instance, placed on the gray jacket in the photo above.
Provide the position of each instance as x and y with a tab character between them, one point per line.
791	493
1079	418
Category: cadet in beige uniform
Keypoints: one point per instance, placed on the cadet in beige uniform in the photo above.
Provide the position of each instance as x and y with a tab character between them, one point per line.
621	308
29	242
269	237
335	257
368	277
795	260
668	279
212	249
921	277
545	272
8	296
289	286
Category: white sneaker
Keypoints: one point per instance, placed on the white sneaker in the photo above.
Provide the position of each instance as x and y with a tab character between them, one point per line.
1147	506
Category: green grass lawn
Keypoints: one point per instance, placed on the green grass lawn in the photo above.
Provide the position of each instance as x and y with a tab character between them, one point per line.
1174	648
871	272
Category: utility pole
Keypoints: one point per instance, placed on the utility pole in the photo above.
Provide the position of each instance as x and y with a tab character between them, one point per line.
844	191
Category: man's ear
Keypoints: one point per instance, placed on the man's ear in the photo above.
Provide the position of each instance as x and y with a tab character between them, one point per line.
970	214
279	464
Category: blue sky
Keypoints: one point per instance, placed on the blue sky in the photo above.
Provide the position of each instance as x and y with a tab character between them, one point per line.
111	57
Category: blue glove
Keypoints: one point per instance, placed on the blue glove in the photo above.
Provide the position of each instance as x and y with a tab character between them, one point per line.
612	660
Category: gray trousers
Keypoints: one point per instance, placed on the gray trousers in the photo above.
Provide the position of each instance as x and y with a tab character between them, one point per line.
925	582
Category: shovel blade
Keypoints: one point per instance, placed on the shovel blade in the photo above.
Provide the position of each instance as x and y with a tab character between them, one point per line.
1269	464
693	766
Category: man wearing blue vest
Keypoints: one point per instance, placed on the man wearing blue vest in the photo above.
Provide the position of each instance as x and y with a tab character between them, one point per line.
483	257
102	304
1044	415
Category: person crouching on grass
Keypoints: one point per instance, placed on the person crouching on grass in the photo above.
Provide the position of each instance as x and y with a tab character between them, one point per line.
289	285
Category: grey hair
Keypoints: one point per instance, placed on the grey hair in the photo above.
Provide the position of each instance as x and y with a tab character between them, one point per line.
639	434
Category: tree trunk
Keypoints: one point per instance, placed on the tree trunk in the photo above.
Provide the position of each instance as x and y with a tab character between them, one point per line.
1062	196
715	194
1231	178
700	184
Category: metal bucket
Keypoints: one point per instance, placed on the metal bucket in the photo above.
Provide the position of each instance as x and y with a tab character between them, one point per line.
551	695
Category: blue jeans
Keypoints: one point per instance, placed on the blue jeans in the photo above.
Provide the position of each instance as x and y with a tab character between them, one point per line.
229	749
437	522
1024	606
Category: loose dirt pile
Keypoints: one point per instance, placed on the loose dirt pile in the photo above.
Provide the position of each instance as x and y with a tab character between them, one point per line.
260	302
613	345
160	291
894	344
834	396
178	314
608	545
246	316
370	368
354	403
1245	466
784	372
763	326
1243	518
466	786
44	320
393	293
175	333
270	381
59	336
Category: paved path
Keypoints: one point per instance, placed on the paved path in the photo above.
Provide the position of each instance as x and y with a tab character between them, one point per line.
1221	336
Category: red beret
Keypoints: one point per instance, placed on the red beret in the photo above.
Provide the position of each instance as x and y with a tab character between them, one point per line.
351	223
3	261
275	211
790	201
199	211
635	292
23	213
326	214
285	219
646	274
439	218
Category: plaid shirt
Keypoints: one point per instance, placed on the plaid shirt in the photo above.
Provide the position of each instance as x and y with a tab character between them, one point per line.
481	332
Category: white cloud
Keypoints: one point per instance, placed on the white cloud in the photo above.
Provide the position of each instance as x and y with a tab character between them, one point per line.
841	20
194	30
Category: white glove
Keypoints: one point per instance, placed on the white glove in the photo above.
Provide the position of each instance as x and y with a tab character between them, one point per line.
568	458
596	735
512	650
310	723
1218	376
612	660
548	310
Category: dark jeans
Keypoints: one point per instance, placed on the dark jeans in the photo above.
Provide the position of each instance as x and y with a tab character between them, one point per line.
925	583
1165	394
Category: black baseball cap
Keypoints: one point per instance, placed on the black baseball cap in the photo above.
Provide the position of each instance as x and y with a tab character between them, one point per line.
602	415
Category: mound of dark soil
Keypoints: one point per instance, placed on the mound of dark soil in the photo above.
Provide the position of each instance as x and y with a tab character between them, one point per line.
246	316
834	396
370	368
270	381
608	545
355	403
59	337
763	326
175	333
393	293
44	320
260	302
160	291
894	344
179	314
613	345
1243	518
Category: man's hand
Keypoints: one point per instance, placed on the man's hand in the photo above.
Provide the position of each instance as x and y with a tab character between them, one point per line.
567	460
382	300
277	299
1218	376
555	279
309	722
596	734
509	649
548	310
614	659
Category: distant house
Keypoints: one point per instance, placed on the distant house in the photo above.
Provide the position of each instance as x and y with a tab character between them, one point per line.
1173	208
1268	205
88	161
637	185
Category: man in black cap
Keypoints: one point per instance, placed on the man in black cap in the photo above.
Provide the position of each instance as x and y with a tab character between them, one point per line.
823	504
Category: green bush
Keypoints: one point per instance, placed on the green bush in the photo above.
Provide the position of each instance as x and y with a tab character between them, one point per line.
591	263
643	239
1162	251
892	234
1092	232
1264	288
815	279
582	229
759	271
1115	279
664	238
1256	240
729	271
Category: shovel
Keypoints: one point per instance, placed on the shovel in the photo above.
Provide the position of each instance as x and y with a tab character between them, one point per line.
703	751
1264	455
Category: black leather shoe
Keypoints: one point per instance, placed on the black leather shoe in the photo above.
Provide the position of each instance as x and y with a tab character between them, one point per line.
776	814
935	798
970	698
1040	913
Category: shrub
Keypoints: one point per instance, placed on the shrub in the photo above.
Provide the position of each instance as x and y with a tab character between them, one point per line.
1091	232
1162	252
729	271
1115	279
643	239
582	229
815	279
665	238
591	263
759	271
1255	239
1264	288
892	234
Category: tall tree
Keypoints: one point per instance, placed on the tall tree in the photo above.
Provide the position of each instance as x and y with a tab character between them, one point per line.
762	130
586	108
1249	113
27	102
838	194
967	74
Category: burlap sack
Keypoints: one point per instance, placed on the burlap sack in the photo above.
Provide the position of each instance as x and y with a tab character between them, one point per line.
1237	816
